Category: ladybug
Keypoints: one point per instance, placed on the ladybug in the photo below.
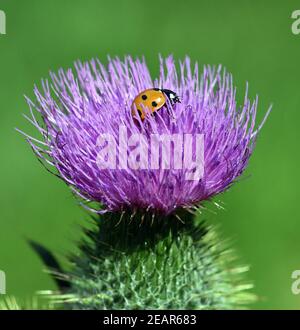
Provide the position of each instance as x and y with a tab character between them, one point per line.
152	100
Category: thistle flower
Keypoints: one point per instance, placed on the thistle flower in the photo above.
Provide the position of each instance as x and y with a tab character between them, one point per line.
99	145
78	107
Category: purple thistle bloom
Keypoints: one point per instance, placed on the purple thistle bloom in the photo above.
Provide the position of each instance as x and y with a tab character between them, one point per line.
77	108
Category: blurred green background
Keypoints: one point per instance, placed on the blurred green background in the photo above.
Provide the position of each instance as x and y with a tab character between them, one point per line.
252	39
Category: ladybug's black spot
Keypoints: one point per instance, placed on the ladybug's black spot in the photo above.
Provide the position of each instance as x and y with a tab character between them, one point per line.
139	112
144	97
156	89
154	104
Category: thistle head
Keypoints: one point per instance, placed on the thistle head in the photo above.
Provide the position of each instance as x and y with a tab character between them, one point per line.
176	157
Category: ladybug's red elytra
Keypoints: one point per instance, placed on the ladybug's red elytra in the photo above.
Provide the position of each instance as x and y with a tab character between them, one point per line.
152	100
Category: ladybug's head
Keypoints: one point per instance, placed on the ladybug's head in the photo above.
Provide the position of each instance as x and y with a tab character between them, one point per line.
172	96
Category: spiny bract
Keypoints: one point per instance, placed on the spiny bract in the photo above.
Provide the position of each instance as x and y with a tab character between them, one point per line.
162	264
